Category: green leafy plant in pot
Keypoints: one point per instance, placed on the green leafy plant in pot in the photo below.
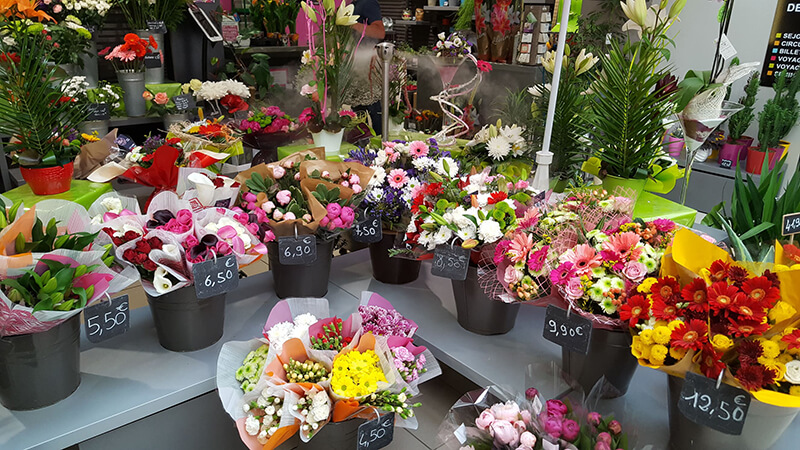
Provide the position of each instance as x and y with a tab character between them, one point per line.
33	110
735	149
775	121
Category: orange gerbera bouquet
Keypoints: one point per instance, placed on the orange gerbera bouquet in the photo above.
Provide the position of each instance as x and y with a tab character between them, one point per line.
129	56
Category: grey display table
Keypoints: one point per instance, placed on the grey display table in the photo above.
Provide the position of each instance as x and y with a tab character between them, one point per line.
134	394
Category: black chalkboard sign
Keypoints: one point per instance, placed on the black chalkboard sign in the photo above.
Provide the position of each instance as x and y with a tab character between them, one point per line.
156	26
98	111
791	224
367	230
124	142
104	320
183	102
573	332
723	409
216	277
152	60
450	262
377	433
293	251
726	163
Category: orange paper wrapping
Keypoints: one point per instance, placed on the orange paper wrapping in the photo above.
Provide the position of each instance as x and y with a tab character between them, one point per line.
24	224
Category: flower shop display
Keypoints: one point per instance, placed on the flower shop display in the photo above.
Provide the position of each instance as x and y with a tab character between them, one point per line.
725	320
481	419
330	59
45	151
502	147
400	169
277	19
164	106
103	93
298	196
267	129
735	149
775	121
128	61
323	376
227	94
152	19
92	15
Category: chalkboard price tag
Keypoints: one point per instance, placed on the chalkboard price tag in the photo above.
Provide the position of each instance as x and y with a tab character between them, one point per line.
104	320
450	262
183	102
573	331
98	111
156	26
726	163
377	433
723	409
367	230
125	142
293	251
216	277
791	224
152	60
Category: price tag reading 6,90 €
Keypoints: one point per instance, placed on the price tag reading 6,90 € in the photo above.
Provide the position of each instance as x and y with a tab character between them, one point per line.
723	409
216	276
104	320
377	433
572	331
293	251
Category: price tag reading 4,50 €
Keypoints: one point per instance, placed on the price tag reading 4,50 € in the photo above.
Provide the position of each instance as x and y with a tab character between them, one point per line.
376	433
791	224
572	332
367	230
216	277
450	262
104	320
723	409
293	251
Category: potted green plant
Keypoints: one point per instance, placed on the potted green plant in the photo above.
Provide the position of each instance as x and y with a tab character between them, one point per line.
33	110
153	18
735	149
775	121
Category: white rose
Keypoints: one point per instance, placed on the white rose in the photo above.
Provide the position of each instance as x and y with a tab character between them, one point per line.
793	372
262	402
251	425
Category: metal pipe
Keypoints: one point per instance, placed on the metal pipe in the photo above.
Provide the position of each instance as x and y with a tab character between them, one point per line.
385	52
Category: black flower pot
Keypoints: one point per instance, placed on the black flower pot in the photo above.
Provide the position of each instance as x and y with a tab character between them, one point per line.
391	270
477	312
185	323
40	369
609	356
302	280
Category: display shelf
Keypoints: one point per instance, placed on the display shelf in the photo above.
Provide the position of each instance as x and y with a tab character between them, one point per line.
441	8
274	50
410	22
133	121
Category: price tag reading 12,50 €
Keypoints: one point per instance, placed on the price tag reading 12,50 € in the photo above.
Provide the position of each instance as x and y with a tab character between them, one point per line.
104	320
572	331
377	433
293	251
216	277
723	409
450	262
367	230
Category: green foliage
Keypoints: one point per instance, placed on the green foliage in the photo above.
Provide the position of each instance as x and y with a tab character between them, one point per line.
756	212
258	184
464	15
8	215
594	28
739	122
52	290
780	113
273	16
138	12
31	108
46	239
325	195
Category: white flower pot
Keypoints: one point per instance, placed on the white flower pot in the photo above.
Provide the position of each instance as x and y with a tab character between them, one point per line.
331	141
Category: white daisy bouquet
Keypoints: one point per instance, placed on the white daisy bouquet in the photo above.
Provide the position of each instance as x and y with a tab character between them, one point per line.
400	170
504	148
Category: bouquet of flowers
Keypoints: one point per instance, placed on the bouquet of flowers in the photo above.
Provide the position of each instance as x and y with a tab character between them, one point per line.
68	31
91	13
452	46
210	136
400	169
160	102
268	128
205	189
322	369
129	56
426	121
503	147
229	94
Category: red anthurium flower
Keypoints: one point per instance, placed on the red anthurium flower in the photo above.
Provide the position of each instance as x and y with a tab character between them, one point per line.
696	296
666	289
792	339
761	290
635	309
721	296
690	335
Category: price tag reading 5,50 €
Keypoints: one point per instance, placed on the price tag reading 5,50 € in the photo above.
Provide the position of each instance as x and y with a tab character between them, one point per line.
104	320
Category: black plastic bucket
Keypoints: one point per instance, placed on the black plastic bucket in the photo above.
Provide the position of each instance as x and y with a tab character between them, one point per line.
185	323
391	270
302	280
609	356
335	436
40	369
477	312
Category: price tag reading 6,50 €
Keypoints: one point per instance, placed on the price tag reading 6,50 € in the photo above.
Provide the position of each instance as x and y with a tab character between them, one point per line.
572	331
216	276
293	251
377	433
723	409
104	320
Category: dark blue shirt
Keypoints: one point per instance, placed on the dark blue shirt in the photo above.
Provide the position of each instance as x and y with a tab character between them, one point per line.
368	11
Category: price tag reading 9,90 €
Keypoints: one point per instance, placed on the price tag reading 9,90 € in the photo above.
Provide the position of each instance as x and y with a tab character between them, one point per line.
107	319
293	251
572	331
216	277
723	409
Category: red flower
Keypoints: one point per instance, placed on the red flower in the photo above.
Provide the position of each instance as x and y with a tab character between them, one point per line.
721	296
744	327
792	253
749	352
484	66
772	278
635	309
738	275
142	246
719	270
234	103
129	255
690	336
148	157
155	243
755	377
663	310
418	201
104	51
149	265
762	291
793	339
173	141
711	362
666	289
153	42
749	308
696	296
497	197
6	57
434	189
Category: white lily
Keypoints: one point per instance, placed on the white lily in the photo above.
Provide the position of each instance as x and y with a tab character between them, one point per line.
584	62
344	15
161	281
649	21
549	61
309	11
635	10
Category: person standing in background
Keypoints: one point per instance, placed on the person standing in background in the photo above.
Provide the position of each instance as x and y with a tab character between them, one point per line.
369	18
370	23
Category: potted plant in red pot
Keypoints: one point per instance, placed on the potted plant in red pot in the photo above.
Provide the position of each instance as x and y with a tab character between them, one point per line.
735	149
33	109
779	115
